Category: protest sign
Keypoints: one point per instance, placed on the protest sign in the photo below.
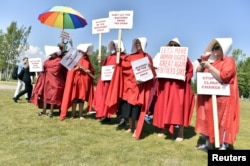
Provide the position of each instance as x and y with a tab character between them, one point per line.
71	59
142	69
100	25
208	85
107	72
35	64
172	63
121	19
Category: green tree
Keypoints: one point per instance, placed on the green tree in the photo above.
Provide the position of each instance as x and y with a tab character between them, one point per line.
96	64
243	73
13	43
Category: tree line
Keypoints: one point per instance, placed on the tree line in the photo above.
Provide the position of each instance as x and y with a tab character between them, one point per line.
14	42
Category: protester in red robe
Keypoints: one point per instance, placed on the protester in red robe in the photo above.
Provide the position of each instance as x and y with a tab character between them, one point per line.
50	83
102	111
223	69
174	101
133	95
79	85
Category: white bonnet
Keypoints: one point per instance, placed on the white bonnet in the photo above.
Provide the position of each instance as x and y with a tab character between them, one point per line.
50	50
111	47
143	41
176	40
225	43
86	47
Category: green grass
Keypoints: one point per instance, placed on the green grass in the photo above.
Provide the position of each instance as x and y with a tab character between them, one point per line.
27	139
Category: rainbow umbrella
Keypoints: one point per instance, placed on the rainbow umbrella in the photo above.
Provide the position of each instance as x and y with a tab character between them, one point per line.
63	17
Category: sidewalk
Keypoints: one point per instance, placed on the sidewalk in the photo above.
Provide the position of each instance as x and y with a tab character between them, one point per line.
2	86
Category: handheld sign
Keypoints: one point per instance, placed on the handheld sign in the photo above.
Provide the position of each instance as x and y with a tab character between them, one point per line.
65	35
120	20
100	26
142	70
71	59
35	64
172	62
107	72
208	85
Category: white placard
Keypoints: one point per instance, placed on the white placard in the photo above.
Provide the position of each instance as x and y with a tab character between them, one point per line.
65	35
142	70
71	59
208	85
100	25
121	19
35	64
172	63
107	72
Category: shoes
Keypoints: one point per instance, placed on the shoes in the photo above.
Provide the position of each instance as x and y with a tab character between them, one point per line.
128	131
14	99
122	122
179	139
160	134
147	119
40	113
50	115
203	147
106	120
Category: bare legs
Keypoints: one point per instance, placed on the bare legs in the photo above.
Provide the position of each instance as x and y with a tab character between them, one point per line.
180	136
132	124
74	104
44	110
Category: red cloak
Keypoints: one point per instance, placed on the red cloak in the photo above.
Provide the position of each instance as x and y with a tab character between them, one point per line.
125	87
102	89
78	85
175	101
50	84
228	107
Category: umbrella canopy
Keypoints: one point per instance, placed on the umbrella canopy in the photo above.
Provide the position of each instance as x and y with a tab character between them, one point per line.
63	17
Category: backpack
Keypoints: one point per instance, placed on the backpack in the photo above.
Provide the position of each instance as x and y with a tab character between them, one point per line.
14	73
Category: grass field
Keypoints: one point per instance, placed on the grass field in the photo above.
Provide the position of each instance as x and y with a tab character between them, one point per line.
27	139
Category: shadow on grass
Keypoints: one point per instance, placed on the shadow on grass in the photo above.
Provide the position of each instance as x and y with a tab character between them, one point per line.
149	129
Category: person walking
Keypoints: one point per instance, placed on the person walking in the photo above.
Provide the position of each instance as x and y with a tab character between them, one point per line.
25	75
20	83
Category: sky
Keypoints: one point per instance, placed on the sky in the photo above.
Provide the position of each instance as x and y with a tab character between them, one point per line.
194	22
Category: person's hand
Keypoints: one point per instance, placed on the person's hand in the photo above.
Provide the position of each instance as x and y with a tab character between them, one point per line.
139	81
205	64
87	71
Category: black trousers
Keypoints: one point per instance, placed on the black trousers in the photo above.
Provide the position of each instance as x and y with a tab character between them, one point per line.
27	89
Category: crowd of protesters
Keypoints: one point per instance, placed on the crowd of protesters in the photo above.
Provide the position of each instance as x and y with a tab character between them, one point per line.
169	102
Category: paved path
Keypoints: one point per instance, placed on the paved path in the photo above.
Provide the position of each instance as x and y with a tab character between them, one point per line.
3	86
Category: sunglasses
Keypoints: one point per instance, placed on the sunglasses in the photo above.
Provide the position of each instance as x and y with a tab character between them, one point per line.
216	48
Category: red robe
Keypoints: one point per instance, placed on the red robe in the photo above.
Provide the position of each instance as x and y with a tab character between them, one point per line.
78	85
228	107
101	91
175	101
125	87
50	84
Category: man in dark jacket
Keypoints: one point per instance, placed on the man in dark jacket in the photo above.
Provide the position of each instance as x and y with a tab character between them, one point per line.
25	76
